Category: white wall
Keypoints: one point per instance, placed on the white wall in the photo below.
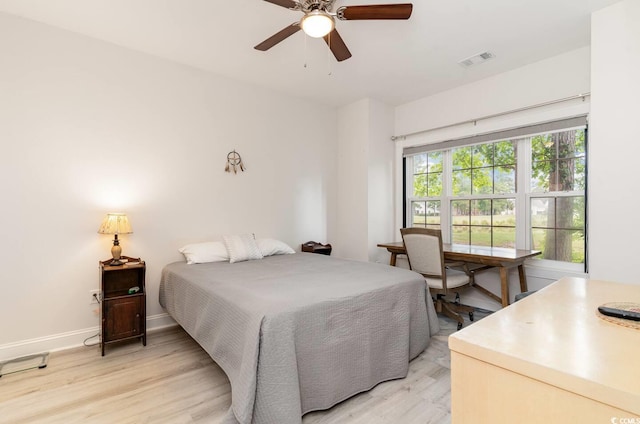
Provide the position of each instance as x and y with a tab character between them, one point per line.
88	127
365	210
550	79
350	239
614	150
555	78
380	179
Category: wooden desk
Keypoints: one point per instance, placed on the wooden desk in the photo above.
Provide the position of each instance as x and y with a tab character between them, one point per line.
498	257
549	359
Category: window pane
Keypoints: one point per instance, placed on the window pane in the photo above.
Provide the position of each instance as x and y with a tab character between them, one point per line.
580	146
564	245
492	165
559	245
460	235
504	179
481	236
482	155
427	178
504	212
460	212
435	162
558	228
540	176
462	182
420	187
543	213
481	212
484	222
566	175
579	211
482	180
435	184
419	217
569	145
433	214
571	174
558	162
577	246
542	148
540	238
461	158
420	164
570	212
505	153
504	237
579	180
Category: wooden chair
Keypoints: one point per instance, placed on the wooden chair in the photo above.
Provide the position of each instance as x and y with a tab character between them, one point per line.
425	255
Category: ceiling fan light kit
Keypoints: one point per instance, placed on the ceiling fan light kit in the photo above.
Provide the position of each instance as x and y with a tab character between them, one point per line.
319	21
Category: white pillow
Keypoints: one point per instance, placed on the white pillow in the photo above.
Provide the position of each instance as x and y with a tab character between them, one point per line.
242	247
200	253
269	247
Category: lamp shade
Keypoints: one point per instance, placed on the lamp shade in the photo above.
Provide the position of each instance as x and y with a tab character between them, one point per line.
317	23
115	223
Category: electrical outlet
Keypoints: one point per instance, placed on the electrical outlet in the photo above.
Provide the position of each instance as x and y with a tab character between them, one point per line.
94	294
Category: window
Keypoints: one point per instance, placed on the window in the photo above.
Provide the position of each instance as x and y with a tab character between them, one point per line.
485	170
484	222
488	168
427	185
558	201
518	191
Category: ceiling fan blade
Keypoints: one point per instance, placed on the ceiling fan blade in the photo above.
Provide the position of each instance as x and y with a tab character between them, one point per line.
375	11
337	46
289	4
278	37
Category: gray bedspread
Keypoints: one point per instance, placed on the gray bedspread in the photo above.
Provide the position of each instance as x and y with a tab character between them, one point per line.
298	333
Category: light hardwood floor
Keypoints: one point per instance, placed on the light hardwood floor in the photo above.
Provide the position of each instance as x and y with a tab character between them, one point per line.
173	380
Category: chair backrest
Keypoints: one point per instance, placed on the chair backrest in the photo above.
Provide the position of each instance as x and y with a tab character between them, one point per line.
424	250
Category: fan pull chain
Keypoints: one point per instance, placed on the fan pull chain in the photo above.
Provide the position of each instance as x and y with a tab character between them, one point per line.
329	55
305	51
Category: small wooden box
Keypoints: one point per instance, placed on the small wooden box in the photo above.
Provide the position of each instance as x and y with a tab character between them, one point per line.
315	247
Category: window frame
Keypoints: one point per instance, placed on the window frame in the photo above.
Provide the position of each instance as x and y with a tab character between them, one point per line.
523	194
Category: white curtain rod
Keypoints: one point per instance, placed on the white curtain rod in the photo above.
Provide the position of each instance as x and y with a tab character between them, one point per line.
495	115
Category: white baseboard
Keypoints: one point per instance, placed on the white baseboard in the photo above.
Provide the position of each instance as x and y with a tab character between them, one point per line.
70	339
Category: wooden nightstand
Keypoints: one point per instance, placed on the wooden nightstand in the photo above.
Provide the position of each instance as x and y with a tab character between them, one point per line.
123	306
315	247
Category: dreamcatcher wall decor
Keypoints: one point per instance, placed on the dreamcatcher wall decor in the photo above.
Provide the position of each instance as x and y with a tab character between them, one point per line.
234	161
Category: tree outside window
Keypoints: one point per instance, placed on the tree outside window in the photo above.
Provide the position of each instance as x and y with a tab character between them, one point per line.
557	217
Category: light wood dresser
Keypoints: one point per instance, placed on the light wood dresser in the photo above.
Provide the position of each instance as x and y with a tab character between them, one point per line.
549	359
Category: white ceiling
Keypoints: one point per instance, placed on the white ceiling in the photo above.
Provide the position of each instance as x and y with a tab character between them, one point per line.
393	61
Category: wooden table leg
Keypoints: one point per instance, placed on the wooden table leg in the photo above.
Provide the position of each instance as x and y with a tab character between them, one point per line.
504	282
392	261
523	279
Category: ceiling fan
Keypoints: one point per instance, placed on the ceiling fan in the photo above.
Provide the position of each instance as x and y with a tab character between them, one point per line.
318	21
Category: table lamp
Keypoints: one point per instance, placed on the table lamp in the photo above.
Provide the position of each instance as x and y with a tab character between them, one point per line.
115	223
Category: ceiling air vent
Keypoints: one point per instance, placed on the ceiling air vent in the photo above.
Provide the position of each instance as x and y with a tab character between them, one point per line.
476	59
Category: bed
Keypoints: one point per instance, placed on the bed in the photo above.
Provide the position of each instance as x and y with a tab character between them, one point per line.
301	332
